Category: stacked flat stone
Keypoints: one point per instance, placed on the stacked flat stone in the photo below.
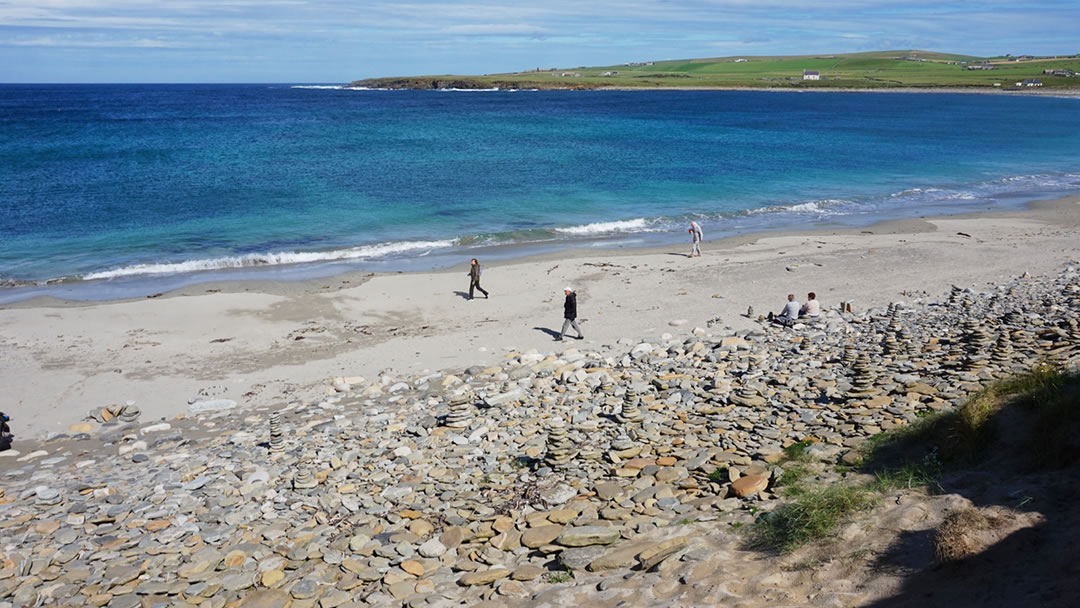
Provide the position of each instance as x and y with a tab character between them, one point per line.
630	412
1002	351
894	319
48	496
460	414
1023	341
128	413
1013	317
1054	343
277	440
748	395
889	345
955	295
850	354
1072	334
560	450
976	341
862	385
304	480
907	341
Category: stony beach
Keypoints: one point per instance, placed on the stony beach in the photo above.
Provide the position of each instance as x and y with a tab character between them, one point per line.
390	451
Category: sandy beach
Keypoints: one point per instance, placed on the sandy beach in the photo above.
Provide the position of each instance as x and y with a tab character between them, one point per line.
262	343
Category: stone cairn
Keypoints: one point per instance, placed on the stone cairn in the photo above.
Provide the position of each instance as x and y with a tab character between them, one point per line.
277	441
976	341
460	414
630	412
862	385
560	450
303	479
955	295
748	395
120	413
1072	334
907	341
1002	351
1022	340
850	354
889	345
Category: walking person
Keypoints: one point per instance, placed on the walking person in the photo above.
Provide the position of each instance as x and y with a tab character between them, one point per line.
695	236
474	279
570	315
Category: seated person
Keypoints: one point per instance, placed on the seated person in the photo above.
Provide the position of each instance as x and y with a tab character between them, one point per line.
789	314
5	432
812	308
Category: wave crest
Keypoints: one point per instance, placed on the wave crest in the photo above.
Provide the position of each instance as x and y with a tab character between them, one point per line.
635	225
251	260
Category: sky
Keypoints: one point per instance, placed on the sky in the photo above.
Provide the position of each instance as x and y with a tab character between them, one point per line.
336	41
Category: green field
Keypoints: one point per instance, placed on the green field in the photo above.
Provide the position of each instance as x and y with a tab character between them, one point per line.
883	69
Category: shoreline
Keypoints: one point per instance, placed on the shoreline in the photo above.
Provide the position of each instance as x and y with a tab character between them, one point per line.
263	342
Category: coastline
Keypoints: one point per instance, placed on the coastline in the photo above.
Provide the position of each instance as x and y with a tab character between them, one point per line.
1070	92
263	342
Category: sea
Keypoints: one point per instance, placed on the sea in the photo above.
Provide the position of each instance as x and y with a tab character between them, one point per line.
119	191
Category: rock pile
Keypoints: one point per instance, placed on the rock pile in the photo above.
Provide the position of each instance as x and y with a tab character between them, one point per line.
398	491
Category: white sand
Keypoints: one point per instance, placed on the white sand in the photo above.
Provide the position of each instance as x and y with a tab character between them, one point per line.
58	360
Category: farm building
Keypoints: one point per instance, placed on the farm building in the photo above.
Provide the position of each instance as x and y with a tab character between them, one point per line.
811	75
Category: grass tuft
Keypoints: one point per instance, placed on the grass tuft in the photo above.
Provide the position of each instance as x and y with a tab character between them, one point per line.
813	514
720	475
796	452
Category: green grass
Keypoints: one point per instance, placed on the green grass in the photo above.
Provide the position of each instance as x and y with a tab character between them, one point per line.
962	437
813	514
881	69
791	477
559	577
720	475
917	455
796	452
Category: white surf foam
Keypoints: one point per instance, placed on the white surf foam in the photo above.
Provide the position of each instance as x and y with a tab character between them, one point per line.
365	252
635	225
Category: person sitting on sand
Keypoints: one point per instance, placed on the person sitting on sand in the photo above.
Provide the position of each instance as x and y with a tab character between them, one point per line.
812	308
5	432
474	279
789	314
695	236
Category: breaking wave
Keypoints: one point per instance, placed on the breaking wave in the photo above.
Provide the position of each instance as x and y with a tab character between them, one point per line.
366	252
636	225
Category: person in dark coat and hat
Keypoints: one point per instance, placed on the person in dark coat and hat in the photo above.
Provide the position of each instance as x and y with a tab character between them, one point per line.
570	314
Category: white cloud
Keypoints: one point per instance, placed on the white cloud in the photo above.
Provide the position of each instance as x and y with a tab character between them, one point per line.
65	41
494	29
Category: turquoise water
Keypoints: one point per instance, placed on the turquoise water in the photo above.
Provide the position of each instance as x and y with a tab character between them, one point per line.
110	189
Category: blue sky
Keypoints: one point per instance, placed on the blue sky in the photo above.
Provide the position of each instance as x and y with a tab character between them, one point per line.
315	41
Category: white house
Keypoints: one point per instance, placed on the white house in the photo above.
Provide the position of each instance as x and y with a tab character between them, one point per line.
811	75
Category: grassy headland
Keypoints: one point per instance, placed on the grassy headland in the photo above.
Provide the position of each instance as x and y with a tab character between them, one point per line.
878	70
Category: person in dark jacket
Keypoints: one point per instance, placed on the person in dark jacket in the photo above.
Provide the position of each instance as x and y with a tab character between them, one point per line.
474	279
570	315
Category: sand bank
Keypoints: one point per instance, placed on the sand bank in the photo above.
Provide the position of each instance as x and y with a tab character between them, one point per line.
260	342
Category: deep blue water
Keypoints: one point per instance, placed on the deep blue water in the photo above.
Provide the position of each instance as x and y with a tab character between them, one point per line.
122	185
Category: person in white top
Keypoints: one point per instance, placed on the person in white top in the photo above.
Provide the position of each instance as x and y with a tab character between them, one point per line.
789	314
695	236
812	308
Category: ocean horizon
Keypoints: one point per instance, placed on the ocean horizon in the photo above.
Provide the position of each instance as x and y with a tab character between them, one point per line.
111	191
